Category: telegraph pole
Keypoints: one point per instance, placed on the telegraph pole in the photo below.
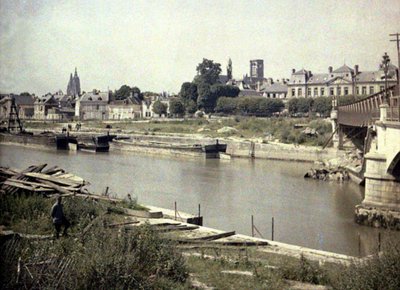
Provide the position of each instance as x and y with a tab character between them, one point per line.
397	39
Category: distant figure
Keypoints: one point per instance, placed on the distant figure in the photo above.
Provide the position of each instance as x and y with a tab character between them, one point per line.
59	219
64	130
69	127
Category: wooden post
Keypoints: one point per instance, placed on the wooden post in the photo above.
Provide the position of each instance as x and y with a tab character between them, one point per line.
175	210
379	241
359	245
272	231
252	226
106	192
199	210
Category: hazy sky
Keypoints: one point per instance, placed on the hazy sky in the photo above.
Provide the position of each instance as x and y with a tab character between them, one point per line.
156	45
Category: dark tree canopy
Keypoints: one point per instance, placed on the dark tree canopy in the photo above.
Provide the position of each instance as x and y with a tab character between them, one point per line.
188	92
125	91
206	99
160	108
191	107
226	105
208	72
322	105
25	94
176	107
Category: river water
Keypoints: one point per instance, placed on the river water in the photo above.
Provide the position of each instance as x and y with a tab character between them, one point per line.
309	213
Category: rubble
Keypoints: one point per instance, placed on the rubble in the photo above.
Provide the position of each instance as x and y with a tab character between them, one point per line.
338	174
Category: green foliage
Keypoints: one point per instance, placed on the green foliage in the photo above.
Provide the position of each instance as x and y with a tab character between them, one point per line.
207	72
304	105
188	92
191	107
226	105
259	106
176	107
220	90
304	271
125	91
322	105
160	108
206	99
377	272
106	259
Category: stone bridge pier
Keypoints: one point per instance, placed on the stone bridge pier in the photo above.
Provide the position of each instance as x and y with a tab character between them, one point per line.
381	204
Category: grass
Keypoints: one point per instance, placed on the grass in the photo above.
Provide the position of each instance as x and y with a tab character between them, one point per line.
281	129
141	258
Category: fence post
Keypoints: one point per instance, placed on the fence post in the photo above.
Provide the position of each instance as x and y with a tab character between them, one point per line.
199	210
175	210
272	232
359	245
252	226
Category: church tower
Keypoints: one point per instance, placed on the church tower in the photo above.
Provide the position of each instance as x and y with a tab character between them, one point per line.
229	69
74	85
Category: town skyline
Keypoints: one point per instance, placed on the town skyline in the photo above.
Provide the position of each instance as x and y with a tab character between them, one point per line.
41	43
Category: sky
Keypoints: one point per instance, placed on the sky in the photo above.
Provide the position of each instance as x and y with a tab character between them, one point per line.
157	44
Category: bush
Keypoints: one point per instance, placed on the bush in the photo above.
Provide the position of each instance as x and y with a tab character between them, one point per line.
377	272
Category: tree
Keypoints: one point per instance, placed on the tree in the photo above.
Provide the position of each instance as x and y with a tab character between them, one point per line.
176	107
206	99
125	91
304	105
225	91
226	105
322	105
208	72
191	107
188	92
293	105
160	108
25	94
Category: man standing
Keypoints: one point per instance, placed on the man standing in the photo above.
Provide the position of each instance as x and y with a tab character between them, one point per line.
57	213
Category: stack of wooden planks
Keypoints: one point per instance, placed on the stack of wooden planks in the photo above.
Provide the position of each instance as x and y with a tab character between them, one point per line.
37	179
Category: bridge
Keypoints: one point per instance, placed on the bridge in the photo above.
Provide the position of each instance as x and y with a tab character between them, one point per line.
378	118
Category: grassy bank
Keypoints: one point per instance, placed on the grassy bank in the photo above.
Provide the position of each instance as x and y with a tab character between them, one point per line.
96	256
282	129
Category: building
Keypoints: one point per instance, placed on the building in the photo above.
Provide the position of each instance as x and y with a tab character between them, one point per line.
224	79
147	105
343	81
92	106
74	85
130	108
275	90
24	104
44	106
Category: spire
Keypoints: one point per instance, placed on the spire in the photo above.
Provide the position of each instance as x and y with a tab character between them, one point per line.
229	69
76	72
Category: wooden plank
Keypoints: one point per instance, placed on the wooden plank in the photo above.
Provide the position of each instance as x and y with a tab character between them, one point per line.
57	187
122	224
18	185
46	177
214	237
31	183
175	228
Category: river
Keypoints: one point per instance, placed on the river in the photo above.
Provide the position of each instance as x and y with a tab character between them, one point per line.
306	212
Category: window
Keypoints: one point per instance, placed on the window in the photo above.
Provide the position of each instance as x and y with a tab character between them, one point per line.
331	92
358	90
309	92
315	92
322	91
299	93
346	91
381	88
371	90
339	91
364	90
293	92
97	107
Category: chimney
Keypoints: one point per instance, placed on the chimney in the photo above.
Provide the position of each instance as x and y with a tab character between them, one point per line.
309	73
293	70
356	69
330	69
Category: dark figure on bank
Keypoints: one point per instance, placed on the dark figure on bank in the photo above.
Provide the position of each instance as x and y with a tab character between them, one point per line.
59	219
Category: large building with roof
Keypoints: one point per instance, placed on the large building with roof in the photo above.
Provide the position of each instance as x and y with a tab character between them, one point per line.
92	106
343	81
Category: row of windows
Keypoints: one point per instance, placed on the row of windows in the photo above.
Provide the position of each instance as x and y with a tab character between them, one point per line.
339	92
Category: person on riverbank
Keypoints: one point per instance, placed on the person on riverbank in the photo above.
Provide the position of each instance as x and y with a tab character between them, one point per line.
59	219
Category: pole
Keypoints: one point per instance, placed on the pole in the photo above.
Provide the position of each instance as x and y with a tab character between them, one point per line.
397	35
272	233
359	245
252	226
175	210
199	210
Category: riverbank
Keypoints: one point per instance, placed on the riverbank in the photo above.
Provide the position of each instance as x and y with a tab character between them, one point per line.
166	253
